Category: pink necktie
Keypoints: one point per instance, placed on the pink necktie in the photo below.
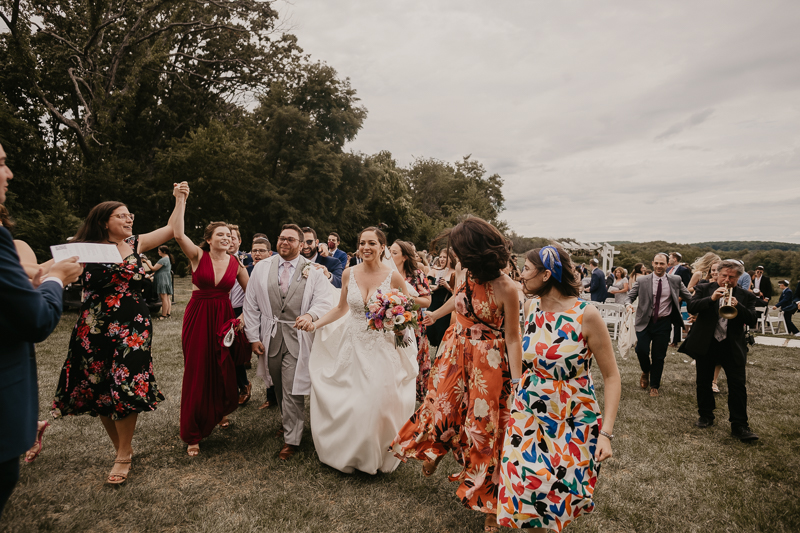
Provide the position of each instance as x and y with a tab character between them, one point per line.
657	302
285	277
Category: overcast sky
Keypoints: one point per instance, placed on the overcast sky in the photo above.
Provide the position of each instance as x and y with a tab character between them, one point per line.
675	120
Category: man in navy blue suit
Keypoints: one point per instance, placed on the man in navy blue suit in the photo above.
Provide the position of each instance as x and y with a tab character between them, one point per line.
27	315
598	285
335	251
331	267
788	303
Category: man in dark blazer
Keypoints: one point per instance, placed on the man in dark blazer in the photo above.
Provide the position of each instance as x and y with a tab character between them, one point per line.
714	340
659	297
762	285
597	287
27	315
676	268
332	267
788	303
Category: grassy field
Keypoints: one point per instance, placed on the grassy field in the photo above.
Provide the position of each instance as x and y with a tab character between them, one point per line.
665	476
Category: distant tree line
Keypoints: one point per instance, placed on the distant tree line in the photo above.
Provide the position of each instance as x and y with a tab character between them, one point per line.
117	100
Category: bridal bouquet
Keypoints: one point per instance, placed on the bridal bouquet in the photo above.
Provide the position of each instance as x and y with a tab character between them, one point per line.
393	312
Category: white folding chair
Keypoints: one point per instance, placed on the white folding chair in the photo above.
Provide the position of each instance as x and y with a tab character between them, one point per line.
777	321
761	323
612	316
610	301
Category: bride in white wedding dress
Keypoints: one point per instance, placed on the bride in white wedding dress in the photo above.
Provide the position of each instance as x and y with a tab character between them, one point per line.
362	386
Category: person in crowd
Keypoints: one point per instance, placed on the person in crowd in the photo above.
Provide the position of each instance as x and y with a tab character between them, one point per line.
701	269
209	392
597	287
466	408
610	278
237	301
745	280
355	259
162	277
442	283
636	271
762	285
676	268
109	370
270	252
29	312
260	250
562	335
421	260
659	297
619	289
333	248
515	273
789	305
311	249
403	255
287	294
362	383
711	277
715	340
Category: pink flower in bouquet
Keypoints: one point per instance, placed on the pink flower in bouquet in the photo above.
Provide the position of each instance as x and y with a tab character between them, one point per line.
397	310
378	323
374	307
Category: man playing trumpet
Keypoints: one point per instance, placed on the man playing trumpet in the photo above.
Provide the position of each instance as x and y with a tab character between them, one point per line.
718	338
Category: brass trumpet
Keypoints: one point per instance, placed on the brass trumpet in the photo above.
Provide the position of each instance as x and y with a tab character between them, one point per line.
727	309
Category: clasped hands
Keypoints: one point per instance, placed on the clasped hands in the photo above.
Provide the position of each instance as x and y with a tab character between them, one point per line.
181	190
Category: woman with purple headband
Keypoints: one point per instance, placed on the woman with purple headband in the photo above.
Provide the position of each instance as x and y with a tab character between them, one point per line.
556	436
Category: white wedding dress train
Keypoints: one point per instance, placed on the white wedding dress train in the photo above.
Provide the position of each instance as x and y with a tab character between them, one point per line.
363	390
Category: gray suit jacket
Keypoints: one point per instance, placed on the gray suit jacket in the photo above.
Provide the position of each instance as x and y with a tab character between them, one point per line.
643	289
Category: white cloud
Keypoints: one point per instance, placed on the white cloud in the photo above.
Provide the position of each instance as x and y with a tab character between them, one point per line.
632	121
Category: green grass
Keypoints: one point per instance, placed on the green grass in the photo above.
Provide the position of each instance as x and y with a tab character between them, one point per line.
665	476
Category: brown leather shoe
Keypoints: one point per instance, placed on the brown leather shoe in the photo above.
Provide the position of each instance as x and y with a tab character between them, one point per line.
244	397
287	451
280	432
644	381
654	393
264	405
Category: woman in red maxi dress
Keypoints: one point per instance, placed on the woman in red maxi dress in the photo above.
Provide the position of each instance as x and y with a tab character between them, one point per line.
466	408
209	392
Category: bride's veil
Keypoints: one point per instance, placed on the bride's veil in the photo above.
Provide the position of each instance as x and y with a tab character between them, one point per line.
388	261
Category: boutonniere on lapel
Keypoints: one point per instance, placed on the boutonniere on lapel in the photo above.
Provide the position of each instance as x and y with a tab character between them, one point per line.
306	270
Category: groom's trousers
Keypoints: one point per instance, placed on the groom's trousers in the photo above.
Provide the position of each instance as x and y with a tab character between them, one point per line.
281	368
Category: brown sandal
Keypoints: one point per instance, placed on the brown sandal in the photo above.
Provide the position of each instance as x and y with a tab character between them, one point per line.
120	478
193	450
490	523
224	423
429	467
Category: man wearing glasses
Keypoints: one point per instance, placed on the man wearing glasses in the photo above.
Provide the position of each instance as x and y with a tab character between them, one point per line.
330	266
285	295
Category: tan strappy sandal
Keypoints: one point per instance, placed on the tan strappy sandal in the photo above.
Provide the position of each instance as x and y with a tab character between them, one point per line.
119	479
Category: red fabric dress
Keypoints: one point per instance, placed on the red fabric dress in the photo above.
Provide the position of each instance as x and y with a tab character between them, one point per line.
209	389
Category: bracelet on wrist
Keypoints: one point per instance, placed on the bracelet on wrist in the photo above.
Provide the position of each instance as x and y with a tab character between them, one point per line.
607	435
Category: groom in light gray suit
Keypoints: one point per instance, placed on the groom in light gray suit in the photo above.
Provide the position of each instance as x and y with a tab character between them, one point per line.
286	293
659	297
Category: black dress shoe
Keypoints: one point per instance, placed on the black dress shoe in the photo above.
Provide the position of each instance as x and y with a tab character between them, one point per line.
743	433
704	422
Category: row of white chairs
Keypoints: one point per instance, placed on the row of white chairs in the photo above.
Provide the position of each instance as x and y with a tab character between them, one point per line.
773	318
612	314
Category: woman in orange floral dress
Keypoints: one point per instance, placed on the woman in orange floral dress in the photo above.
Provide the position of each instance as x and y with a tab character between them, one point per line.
466	407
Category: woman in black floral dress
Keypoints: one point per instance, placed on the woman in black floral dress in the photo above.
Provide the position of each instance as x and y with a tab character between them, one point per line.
109	371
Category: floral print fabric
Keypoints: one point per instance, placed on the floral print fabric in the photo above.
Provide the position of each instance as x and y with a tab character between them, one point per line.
108	370
548	472
420	284
465	409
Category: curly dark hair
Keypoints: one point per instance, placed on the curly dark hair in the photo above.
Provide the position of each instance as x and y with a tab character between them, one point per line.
480	247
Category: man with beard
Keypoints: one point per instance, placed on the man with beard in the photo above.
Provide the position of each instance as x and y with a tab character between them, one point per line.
330	266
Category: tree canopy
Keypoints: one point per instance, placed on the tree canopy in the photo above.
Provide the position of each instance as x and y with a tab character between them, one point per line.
118	99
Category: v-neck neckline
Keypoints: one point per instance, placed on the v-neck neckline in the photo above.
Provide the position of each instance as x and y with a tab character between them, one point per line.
365	302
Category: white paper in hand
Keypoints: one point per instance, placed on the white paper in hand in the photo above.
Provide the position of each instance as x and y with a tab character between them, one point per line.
87	252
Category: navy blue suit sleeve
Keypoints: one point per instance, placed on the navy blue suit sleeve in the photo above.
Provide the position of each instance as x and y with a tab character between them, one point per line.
335	267
26	314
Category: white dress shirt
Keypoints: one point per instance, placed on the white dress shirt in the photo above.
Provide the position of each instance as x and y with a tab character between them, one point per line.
292	267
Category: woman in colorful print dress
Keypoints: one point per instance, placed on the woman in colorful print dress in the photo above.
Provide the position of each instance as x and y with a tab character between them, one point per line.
556	436
403	257
465	409
209	392
109	370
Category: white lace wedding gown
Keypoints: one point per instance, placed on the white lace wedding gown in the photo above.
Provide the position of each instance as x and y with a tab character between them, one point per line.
362	390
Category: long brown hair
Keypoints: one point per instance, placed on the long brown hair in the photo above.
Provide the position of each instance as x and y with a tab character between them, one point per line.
5	219
209	231
409	265
480	247
94	227
569	285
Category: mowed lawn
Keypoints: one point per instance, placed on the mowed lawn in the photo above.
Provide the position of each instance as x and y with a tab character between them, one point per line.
665	476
